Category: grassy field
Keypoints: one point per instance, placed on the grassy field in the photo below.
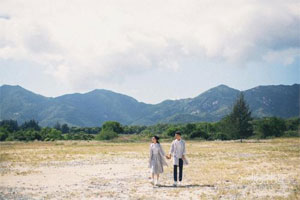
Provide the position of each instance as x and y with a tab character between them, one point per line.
265	169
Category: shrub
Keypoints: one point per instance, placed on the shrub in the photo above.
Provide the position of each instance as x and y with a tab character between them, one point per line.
198	134
3	135
269	127
291	134
219	136
113	126
106	135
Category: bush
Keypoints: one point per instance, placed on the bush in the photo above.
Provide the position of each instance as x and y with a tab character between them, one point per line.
78	136
269	127
113	126
49	139
198	134
3	135
19	135
170	132
31	125
291	134
292	124
106	135
31	135
219	136
146	133
10	138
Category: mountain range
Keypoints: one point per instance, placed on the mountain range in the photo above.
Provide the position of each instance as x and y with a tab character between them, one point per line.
95	107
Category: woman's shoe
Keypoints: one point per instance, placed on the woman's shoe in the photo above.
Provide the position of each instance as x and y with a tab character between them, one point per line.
157	183
151	181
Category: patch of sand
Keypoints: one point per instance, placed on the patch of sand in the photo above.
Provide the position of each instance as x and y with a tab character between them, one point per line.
119	171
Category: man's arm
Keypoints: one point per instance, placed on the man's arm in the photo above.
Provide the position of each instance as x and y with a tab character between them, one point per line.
183	153
183	148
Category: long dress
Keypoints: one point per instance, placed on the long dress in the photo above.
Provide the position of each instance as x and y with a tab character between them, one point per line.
157	160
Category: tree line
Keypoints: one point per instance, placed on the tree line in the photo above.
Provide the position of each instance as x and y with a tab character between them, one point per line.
239	124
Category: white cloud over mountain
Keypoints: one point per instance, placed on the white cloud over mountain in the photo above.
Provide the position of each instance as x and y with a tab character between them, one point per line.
82	42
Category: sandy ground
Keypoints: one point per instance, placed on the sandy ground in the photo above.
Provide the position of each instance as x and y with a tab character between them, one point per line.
94	170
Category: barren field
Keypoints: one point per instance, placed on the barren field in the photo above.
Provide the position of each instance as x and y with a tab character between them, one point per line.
265	169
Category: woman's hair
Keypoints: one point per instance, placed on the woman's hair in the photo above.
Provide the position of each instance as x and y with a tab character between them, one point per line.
157	138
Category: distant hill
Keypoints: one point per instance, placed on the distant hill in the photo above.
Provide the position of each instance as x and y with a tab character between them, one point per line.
95	107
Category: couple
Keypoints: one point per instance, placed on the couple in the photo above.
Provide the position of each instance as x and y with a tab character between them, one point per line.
157	160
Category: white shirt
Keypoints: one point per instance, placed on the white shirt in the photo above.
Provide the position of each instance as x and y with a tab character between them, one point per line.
178	148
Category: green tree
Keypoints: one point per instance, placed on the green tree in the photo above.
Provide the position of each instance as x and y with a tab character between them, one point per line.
189	128
57	126
32	124
50	134
19	135
3	134
65	128
106	134
133	129
9	125
170	131
113	126
200	131
237	124
292	124
32	135
54	134
269	126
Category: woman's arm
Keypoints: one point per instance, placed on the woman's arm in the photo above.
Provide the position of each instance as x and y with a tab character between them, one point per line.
162	150
150	156
171	149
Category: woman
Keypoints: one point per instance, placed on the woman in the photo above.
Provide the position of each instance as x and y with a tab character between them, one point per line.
157	160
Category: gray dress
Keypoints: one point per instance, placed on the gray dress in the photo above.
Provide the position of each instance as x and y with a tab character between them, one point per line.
157	159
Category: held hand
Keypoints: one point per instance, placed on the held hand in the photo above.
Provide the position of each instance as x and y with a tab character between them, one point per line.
183	157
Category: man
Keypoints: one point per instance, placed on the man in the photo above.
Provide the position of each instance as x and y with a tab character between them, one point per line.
178	151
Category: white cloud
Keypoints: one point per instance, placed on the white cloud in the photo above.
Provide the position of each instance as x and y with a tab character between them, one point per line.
85	42
284	57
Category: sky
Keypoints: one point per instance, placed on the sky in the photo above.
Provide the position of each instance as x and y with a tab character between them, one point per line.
149	49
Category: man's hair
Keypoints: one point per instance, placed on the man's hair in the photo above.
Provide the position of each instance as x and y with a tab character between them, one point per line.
178	133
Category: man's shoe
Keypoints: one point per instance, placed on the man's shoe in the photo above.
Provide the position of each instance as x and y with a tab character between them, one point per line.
180	183
175	183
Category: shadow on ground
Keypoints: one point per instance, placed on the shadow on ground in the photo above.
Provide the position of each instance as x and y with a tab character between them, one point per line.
185	186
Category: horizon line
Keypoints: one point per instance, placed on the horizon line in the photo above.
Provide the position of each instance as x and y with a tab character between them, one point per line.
17	85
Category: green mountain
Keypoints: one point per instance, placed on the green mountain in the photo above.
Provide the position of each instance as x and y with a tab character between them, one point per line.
211	105
95	107
20	104
281	100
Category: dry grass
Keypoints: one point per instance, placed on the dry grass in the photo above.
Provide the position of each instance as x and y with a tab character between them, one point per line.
268	169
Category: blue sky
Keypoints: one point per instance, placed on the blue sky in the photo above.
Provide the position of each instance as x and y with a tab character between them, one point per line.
150	50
